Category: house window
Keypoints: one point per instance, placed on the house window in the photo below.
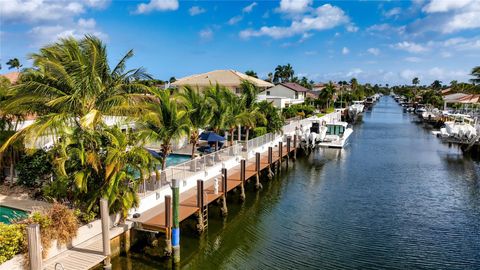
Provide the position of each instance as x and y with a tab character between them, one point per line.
296	95
268	93
238	90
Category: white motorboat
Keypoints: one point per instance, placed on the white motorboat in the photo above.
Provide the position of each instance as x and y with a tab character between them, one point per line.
337	135
355	110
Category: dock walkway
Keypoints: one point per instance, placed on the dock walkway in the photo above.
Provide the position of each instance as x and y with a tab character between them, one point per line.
154	218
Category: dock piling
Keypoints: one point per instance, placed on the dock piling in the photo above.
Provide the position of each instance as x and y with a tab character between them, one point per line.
294	147
289	140
34	247
258	185
270	160
176	221
105	219
168	226
242	179
280	154
200	205
225	190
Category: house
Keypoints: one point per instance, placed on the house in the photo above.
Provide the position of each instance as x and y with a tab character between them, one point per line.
12	76
231	79
284	94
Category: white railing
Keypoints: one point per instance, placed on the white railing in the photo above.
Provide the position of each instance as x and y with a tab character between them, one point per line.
200	166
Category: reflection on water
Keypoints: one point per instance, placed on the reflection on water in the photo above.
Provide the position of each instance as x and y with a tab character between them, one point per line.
395	198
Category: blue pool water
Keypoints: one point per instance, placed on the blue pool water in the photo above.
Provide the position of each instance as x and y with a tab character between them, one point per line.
175	159
7	214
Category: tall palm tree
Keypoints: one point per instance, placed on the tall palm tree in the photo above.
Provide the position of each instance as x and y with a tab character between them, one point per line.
249	93
236	106
199	113
14	63
328	93
476	74
279	74
249	119
72	84
71	89
216	95
354	84
288	73
164	121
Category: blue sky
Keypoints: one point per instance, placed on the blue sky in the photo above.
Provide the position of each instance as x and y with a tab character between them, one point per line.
374	41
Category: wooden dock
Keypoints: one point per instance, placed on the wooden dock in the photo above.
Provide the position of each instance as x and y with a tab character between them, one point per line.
155	218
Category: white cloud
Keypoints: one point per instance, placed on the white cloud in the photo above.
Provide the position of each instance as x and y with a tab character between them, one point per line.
50	33
446	5
394	12
206	34
324	17
374	51
235	19
249	8
413	59
294	6
447	17
345	50
352	28
32	11
411	47
156	5
196	10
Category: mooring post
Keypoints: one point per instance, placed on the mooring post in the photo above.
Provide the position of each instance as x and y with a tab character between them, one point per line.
34	247
258	185
270	160
105	216
242	179
176	221
200	204
280	154
289	140
168	226
294	147
225	190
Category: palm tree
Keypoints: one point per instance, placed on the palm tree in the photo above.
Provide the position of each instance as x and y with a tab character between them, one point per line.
476	74
71	88
164	121
453	84
215	96
249	93
249	119
199	113
236	106
72	84
415	81
14	63
354	84
289	73
328	93
436	85
279	74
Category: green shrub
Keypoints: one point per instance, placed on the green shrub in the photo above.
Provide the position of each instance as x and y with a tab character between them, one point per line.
11	241
34	169
259	131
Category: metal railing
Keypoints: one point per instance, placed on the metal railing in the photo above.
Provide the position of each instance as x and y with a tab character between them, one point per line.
201	166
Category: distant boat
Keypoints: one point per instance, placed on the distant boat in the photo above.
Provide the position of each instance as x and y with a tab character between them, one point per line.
355	110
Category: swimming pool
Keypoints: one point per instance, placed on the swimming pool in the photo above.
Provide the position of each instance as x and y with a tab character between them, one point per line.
7	214
175	159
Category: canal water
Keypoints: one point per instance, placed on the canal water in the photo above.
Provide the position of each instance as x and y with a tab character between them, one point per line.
395	198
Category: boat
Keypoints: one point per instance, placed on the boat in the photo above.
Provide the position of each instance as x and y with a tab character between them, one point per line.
355	110
461	128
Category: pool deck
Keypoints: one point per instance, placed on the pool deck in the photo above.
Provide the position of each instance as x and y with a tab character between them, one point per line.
23	202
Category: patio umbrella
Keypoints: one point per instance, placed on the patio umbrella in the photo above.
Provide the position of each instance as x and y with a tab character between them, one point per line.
212	137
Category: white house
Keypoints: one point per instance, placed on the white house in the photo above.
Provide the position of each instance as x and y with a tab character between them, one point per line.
284	94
